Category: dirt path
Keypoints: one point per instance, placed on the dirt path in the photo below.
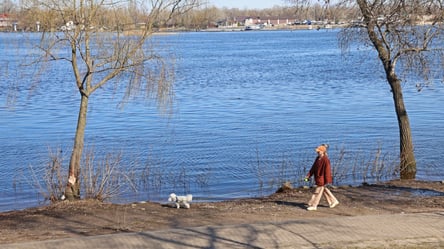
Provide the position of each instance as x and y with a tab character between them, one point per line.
87	218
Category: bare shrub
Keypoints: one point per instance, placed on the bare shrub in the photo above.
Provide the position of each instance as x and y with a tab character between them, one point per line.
152	177
258	169
105	179
49	180
339	167
357	167
279	172
202	178
102	180
179	179
348	167
54	175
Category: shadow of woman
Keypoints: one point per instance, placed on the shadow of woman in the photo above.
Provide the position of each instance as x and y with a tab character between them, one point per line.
293	204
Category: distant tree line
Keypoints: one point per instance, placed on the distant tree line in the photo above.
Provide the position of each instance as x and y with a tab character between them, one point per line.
27	15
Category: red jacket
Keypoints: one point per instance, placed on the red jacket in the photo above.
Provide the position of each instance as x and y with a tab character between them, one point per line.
321	170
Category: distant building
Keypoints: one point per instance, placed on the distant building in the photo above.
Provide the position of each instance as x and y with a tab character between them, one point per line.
251	21
5	22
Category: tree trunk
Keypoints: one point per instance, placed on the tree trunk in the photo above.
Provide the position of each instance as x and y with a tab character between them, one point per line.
72	190
407	164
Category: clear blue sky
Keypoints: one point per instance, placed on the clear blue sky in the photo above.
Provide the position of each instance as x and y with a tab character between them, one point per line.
249	4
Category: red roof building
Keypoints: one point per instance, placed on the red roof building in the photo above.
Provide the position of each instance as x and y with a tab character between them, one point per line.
5	21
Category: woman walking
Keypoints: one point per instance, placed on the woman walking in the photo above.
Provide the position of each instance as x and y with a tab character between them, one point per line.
321	170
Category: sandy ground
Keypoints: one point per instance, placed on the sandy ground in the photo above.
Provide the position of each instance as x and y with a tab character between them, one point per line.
88	218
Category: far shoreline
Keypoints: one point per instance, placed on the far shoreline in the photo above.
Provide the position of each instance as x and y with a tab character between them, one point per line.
166	31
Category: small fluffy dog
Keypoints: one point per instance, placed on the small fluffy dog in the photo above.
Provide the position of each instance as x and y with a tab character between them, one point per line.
178	200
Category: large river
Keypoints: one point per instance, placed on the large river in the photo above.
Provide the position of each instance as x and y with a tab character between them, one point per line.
249	109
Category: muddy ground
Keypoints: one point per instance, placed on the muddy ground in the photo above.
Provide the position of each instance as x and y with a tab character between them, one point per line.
88	218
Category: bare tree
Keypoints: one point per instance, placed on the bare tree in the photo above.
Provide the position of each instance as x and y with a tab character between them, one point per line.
407	36
121	57
7	7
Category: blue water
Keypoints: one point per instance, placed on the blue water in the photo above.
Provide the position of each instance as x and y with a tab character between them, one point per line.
249	108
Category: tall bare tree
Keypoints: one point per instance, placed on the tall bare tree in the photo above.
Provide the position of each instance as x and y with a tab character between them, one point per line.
121	56
7	7
407	36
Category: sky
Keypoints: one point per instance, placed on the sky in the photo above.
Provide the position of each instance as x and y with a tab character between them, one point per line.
249	4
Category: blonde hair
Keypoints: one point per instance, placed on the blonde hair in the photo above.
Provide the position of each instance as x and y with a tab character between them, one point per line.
322	148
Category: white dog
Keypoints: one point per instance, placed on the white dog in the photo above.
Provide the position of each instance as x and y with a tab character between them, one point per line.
184	200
